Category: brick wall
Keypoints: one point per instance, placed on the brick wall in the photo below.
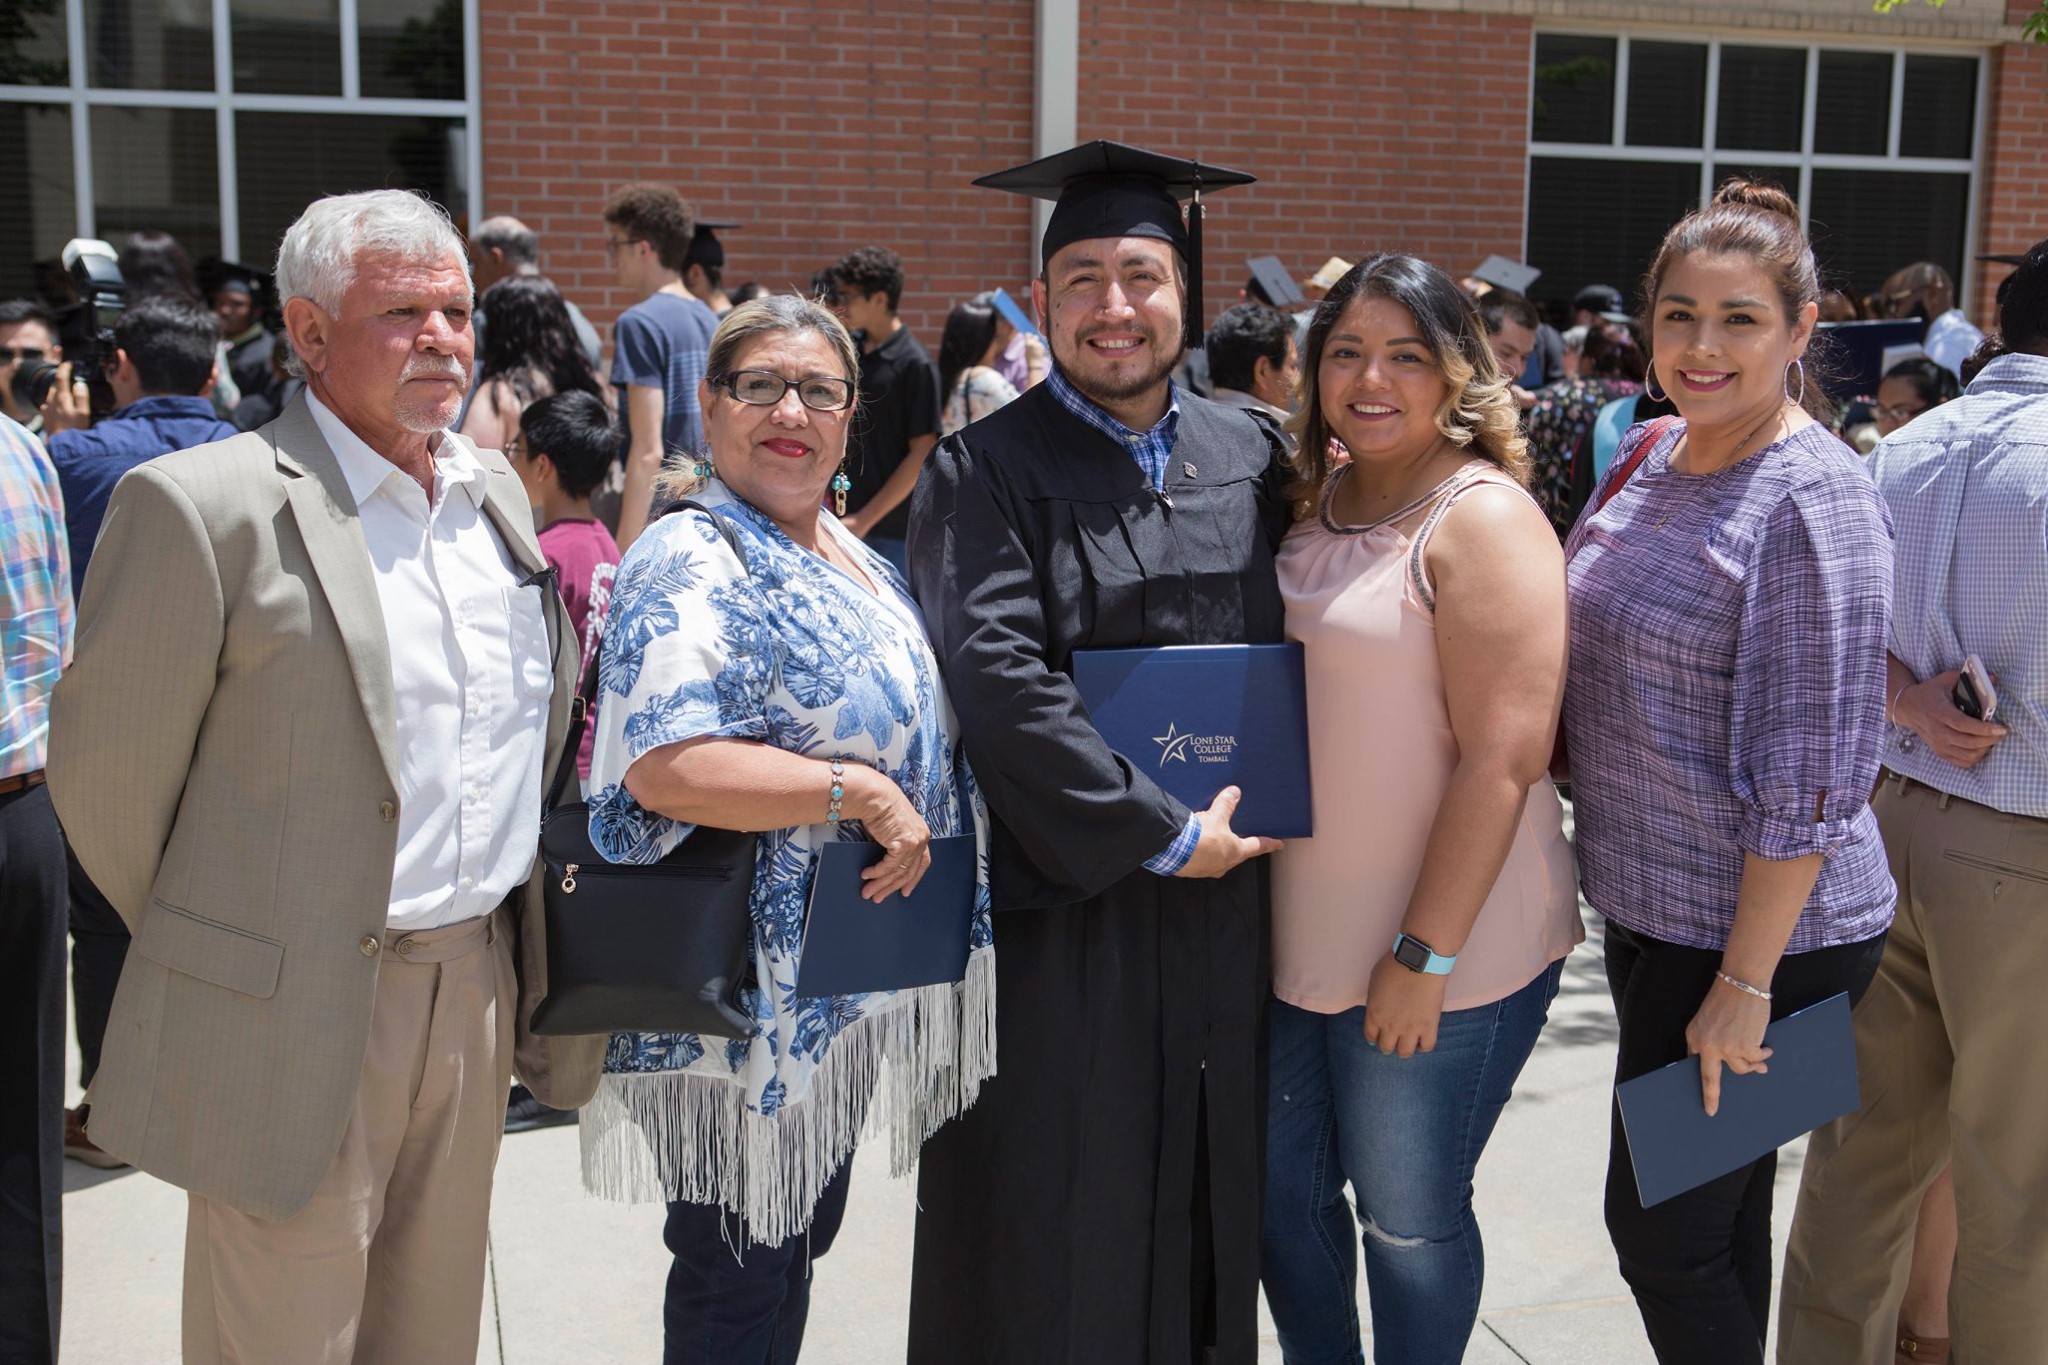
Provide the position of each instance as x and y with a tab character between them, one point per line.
2015	169
821	126
824	126
1369	129
827	124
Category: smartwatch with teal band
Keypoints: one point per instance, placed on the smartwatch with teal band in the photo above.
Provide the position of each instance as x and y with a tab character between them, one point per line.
1418	956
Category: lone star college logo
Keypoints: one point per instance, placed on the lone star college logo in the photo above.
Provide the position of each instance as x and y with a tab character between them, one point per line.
1172	746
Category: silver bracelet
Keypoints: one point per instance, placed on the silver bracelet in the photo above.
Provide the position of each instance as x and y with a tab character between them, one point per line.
1743	986
838	791
1892	711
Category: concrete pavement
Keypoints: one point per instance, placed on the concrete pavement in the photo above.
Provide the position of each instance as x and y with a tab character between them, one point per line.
574	1280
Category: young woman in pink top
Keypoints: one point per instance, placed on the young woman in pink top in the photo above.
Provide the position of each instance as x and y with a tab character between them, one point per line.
1418	938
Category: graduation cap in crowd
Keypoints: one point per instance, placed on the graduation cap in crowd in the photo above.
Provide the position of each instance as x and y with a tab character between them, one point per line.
705	249
2004	257
217	276
1274	284
1502	273
1106	189
1333	270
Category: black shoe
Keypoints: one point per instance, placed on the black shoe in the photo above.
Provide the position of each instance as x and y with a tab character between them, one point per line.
523	1112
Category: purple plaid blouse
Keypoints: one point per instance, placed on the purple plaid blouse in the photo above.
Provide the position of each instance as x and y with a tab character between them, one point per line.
1726	693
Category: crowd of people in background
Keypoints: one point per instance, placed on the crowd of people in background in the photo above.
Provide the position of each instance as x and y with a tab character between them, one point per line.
1663	559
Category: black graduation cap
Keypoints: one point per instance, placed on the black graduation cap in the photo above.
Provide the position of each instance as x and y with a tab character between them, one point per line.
218	276
1106	189
1502	273
1275	283
705	248
2004	257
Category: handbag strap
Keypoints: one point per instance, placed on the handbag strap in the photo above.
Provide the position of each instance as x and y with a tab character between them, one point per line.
585	700
1632	460
1626	463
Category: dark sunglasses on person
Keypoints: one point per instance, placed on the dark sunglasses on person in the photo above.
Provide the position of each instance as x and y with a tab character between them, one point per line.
764	389
10	354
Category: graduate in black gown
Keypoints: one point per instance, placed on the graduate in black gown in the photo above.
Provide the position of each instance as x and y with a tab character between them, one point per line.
236	293
1100	1203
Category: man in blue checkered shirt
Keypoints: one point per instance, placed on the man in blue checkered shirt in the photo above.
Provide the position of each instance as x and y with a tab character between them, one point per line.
1948	1038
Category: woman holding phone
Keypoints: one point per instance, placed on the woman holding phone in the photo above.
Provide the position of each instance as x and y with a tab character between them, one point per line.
1725	709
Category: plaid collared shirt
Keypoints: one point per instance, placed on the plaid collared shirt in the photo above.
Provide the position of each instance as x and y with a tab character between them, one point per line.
1151	449
1964	483
1726	692
35	597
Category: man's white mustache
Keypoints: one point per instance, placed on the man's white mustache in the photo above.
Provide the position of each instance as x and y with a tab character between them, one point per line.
424	369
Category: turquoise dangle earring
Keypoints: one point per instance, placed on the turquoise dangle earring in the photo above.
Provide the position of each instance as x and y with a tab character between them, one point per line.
841	486
701	470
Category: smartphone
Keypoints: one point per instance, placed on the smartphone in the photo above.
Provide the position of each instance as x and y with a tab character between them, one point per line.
1974	696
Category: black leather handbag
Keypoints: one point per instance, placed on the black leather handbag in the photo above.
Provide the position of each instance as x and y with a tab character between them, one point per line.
642	947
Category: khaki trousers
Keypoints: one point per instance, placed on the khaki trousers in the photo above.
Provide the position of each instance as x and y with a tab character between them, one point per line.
386	1265
1949	1044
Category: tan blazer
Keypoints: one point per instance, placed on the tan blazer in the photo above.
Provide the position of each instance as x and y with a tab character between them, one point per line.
223	758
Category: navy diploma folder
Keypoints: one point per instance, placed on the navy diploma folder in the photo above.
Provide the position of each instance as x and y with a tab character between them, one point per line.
1199	718
852	946
1811	1081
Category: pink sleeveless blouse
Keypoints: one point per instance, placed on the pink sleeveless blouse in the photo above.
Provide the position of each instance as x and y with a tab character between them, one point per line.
1361	604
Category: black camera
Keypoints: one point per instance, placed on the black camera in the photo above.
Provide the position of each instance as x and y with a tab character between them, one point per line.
85	329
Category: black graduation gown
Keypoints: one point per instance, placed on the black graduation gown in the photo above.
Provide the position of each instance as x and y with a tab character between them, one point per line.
1100	1202
249	366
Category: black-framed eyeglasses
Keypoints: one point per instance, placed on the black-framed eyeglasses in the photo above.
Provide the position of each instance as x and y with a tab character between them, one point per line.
10	355
764	389
612	244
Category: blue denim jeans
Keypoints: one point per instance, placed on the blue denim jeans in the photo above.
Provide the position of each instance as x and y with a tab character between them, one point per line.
1407	1135
748	1306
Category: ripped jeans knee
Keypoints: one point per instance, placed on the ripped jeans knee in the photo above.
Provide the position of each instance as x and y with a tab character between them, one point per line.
1376	1234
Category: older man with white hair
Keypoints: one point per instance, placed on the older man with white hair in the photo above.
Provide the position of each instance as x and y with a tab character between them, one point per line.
300	749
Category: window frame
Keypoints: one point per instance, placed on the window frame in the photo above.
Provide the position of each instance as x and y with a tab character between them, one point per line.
225	103
1802	163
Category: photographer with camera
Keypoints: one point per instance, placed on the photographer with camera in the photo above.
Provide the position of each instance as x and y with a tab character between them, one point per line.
28	339
161	370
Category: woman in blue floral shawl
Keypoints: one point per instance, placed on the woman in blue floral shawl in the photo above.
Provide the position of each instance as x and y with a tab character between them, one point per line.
733	688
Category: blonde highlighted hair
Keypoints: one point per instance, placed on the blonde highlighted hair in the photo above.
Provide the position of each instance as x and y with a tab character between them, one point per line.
1478	414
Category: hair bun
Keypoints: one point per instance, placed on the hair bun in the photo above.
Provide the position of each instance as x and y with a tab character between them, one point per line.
1756	194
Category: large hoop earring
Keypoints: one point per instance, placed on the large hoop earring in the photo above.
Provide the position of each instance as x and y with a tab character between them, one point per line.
1650	385
1799	365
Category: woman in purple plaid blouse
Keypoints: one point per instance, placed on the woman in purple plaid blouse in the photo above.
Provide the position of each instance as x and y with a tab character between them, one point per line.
1725	706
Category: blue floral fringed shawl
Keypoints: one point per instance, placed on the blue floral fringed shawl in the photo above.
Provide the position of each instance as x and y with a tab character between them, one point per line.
789	651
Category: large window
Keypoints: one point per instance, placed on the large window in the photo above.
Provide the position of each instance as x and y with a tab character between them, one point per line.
1877	145
219	120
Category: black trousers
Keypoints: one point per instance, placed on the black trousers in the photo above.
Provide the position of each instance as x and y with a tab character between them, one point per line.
32	901
1699	1264
99	945
734	1303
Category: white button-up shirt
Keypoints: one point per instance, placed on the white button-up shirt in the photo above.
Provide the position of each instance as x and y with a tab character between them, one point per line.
469	673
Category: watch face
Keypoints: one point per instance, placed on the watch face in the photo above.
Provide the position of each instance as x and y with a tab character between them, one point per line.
1411	954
